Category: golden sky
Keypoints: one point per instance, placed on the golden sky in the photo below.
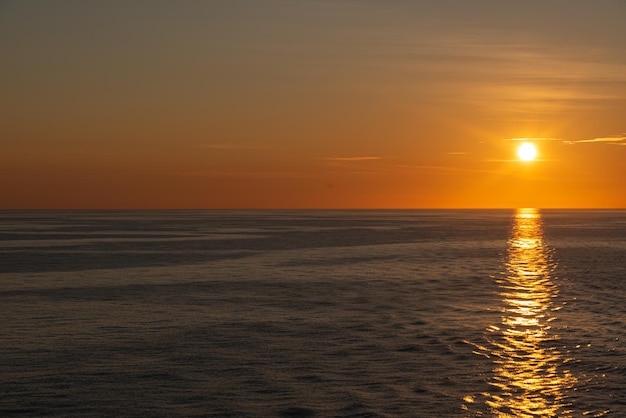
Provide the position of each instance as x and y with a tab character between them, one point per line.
312	103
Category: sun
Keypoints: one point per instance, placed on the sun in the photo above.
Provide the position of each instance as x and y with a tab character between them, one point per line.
527	151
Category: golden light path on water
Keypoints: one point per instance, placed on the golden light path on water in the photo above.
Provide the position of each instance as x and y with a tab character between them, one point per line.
530	375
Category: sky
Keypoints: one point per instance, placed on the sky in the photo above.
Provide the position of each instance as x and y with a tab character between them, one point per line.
312	104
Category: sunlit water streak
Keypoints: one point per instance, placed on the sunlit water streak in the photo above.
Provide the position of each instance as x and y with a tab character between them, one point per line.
530	376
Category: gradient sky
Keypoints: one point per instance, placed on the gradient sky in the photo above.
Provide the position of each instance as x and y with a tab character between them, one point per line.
311	103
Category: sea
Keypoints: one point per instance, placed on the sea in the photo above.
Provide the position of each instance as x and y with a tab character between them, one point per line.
320	313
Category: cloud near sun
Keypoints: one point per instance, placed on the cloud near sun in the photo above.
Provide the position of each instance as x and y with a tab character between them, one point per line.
352	158
615	140
618	139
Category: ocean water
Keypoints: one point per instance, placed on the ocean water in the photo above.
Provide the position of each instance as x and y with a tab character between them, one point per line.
505	313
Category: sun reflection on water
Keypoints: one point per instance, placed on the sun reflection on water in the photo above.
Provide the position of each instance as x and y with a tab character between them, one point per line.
530	377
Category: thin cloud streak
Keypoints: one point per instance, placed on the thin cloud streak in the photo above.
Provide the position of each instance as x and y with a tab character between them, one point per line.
248	174
620	139
615	140
536	160
530	139
443	168
226	146
352	158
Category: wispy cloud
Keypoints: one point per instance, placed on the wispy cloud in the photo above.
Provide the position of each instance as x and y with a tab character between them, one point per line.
458	153
509	160
352	158
412	167
530	139
228	146
616	140
248	174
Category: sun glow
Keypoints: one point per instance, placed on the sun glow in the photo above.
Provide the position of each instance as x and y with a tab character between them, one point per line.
527	151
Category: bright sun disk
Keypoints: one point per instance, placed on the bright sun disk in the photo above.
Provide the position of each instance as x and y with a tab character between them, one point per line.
527	151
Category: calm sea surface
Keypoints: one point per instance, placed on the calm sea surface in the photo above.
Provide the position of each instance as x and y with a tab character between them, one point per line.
313	313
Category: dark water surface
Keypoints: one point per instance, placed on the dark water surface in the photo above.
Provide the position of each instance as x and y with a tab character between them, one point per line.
313	313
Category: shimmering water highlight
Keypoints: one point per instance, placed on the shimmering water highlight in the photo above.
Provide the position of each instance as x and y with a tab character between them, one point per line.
531	375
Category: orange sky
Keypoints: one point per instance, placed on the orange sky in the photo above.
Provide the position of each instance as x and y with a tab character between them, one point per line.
311	104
